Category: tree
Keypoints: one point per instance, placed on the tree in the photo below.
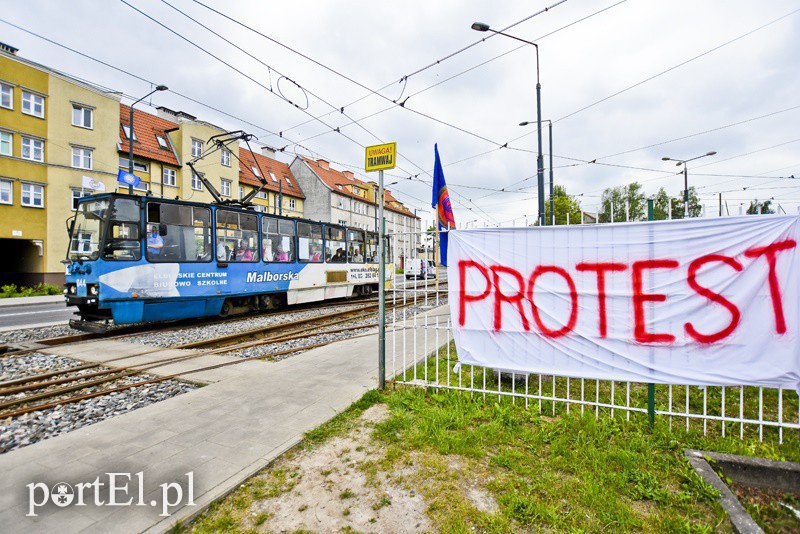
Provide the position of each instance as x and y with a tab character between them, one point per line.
662	205
763	208
625	198
565	205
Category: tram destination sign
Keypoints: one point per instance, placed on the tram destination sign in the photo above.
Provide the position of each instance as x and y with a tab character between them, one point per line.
380	157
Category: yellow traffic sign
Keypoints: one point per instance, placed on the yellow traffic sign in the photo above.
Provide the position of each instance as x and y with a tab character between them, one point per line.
380	157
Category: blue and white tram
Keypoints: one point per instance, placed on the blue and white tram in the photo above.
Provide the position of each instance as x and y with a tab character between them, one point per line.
142	259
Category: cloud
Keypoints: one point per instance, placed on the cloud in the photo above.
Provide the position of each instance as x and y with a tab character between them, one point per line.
378	43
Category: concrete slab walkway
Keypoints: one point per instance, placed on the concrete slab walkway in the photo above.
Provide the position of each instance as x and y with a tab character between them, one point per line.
221	434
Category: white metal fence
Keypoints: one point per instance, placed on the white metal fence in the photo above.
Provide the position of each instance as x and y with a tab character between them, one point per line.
421	353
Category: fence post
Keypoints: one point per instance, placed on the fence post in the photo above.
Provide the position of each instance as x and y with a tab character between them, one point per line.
651	388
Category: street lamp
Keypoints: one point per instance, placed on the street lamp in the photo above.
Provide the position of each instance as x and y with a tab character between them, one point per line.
130	133
686	178
481	27
550	144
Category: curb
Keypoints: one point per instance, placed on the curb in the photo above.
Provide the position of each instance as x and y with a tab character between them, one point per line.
20	301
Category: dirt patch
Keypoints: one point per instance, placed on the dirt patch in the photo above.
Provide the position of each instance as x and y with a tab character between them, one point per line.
336	487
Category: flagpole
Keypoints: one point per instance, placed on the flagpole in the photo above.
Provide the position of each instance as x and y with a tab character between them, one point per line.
436	260
381	290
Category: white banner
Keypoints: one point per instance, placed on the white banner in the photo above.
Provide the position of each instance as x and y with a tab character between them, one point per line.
699	301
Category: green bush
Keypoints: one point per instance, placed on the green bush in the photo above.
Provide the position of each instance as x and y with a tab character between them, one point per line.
11	290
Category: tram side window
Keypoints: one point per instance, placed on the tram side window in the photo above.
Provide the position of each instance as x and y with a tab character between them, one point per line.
237	236
277	241
309	242
335	246
123	242
177	233
372	248
355	246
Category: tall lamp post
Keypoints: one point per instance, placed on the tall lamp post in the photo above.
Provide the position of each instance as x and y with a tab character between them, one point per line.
130	133
686	178
550	145
481	27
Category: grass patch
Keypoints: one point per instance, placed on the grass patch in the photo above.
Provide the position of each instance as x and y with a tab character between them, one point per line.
536	391
489	463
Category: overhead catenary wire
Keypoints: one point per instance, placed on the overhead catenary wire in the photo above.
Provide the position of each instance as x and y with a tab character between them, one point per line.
257	82
670	69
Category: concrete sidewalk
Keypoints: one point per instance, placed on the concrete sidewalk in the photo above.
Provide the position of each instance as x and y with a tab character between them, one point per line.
222	433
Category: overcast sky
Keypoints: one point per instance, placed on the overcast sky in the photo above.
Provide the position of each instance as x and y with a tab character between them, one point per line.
748	67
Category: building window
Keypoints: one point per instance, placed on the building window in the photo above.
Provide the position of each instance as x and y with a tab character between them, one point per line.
162	143
32	149
342	222
6	192
292	204
5	143
81	158
288	181
81	116
33	195
271	175
241	192
197	148
143	186
6	96
226	188
197	185
127	131
168	177
77	194
225	156
255	171
32	104
137	165
262	194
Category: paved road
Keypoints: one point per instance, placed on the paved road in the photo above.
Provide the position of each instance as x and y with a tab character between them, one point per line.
27	315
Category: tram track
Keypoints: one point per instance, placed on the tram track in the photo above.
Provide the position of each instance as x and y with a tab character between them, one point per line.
270	334
8	349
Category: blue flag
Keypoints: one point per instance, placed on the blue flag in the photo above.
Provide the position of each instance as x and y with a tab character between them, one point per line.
441	201
127	178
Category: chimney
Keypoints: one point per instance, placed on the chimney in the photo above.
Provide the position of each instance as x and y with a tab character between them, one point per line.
268	151
172	115
9	49
349	175
324	164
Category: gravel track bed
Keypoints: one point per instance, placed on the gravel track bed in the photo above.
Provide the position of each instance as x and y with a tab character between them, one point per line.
37	426
35	334
187	335
299	344
12	367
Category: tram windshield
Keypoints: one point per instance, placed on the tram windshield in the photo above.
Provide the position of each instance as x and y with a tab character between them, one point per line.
90	224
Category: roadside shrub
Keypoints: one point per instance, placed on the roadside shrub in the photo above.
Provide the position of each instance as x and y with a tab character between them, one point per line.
11	290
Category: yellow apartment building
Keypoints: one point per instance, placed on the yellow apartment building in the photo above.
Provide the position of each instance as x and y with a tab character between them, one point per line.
54	130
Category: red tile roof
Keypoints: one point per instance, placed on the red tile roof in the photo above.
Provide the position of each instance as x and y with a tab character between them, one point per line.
146	127
280	170
341	181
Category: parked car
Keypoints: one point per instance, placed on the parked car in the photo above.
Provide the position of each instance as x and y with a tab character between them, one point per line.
420	268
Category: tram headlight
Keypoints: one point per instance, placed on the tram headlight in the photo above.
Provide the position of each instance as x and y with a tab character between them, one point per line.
92	289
